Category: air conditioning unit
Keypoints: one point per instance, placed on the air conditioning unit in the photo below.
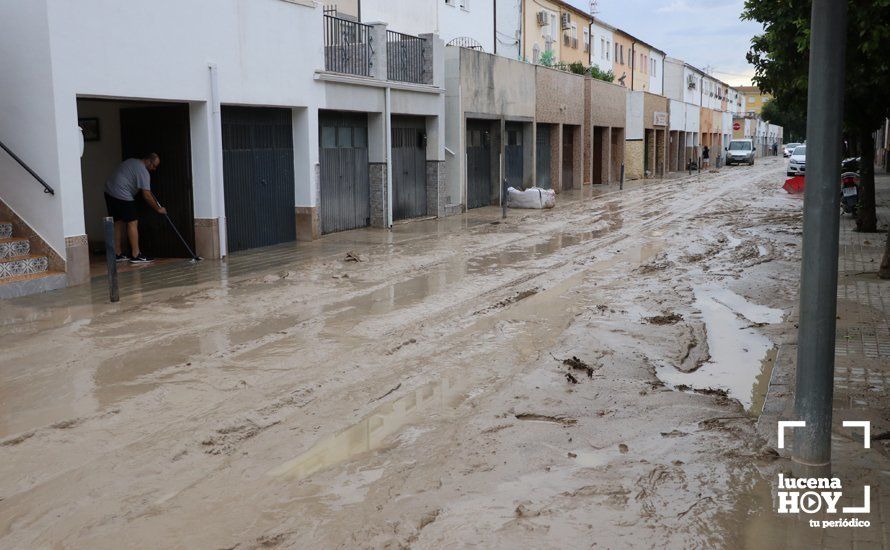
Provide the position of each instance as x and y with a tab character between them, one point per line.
543	18
566	21
566	39
690	82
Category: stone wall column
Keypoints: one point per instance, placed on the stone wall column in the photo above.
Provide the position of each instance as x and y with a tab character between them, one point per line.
379	204
435	188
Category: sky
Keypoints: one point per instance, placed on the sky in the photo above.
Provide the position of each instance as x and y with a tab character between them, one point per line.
703	33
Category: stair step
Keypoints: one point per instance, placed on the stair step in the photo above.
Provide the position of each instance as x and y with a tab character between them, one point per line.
22	265
14	246
5	229
24	285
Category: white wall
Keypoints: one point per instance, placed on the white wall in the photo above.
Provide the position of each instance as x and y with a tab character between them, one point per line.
406	16
266	53
678	115
475	21
509	25
655	79
635	114
674	83
602	56
28	123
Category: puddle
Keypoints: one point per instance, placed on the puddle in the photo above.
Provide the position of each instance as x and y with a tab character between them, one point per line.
739	352
372	432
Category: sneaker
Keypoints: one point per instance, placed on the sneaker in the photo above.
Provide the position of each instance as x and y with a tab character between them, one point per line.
141	259
122	258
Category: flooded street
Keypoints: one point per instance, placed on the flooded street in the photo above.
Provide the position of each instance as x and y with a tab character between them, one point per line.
591	373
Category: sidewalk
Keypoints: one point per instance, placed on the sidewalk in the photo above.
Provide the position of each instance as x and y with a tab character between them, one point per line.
862	373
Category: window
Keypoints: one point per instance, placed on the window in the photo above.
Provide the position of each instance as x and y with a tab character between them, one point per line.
553	26
608	49
751	99
604	52
616	52
574	30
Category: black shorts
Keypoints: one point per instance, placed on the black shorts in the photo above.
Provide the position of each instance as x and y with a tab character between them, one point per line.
121	211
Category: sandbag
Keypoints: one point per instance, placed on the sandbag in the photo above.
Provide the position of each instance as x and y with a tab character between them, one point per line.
534	197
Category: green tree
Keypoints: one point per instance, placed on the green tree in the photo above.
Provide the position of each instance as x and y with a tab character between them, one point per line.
547	58
600	74
780	57
793	123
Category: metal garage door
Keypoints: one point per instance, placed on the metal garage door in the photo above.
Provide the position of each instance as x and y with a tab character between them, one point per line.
258	175
345	183
409	167
543	157
568	156
514	155
478	164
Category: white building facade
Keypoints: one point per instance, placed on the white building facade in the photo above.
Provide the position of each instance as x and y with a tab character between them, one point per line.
262	82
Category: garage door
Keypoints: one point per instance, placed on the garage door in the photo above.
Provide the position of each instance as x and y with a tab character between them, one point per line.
478	164
543	170
514	156
409	167
258	171
343	160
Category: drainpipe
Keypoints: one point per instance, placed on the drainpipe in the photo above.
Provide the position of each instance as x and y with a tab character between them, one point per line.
494	5
633	62
216	132
387	112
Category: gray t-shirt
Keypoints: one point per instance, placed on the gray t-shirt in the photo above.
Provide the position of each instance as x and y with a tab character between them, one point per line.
128	179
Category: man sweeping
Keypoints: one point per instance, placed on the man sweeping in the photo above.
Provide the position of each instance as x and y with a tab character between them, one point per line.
131	178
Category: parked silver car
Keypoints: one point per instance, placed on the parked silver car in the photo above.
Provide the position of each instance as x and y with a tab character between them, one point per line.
789	148
797	165
739	151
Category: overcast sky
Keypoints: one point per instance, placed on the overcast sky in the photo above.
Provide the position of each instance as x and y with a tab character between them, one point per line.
700	32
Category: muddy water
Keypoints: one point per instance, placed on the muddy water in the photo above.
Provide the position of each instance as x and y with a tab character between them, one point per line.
304	421
536	321
739	352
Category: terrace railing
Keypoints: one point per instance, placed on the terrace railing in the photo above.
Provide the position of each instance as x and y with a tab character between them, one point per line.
347	46
404	57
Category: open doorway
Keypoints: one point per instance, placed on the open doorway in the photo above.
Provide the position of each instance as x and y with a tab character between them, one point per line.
118	130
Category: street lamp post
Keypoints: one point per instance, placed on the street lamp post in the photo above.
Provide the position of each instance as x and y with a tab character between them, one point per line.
818	283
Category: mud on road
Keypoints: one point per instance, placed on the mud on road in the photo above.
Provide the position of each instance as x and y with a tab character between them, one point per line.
588	374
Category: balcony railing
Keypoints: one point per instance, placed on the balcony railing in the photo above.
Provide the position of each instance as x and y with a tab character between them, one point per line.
347	46
404	57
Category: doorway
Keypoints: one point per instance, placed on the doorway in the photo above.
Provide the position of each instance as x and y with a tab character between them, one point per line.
121	129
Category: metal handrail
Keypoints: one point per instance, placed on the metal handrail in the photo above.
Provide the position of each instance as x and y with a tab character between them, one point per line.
348	46
404	54
46	187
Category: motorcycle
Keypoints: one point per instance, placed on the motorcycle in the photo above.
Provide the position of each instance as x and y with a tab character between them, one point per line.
850	192
851	164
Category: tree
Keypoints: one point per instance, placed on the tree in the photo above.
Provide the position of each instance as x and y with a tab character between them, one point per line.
780	55
794	124
547	58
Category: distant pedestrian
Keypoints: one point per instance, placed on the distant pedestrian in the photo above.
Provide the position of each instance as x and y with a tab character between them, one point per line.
776	149
130	179
706	157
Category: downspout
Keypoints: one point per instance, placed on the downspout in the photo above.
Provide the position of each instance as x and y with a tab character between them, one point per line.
633	62
494	5
387	112
217	184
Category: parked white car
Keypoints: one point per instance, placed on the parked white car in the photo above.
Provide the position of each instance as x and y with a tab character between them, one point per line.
739	151
789	148
797	164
